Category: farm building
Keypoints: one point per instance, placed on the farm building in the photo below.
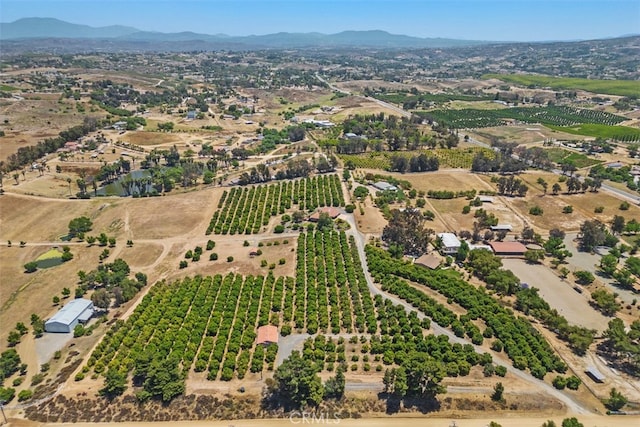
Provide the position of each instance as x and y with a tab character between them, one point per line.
450	243
501	227
331	211
508	248
596	375
77	311
267	334
384	186
486	199
428	260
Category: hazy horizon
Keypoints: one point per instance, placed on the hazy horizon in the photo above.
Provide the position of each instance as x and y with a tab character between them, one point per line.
496	20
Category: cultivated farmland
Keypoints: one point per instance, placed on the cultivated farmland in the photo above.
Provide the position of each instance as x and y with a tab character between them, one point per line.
246	210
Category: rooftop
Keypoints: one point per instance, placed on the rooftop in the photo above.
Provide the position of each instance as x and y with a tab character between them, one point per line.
508	247
428	260
71	311
449	240
267	334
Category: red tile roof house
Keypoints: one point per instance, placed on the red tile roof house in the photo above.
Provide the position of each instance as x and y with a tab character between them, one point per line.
333	213
508	248
267	334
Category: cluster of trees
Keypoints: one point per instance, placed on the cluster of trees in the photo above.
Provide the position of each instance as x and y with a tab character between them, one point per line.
449	194
245	210
110	280
511	185
488	267
406	233
595	233
296	384
10	363
502	163
417	163
381	132
622	174
621	345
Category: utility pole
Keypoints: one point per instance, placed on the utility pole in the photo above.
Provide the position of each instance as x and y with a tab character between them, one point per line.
2	410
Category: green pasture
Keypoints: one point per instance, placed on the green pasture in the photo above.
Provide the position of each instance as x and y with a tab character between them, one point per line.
51	258
609	87
619	133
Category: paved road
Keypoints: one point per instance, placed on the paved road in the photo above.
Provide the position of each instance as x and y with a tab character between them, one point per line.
620	194
384	104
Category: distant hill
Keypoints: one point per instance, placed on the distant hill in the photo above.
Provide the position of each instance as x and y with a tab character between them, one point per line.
29	28
49	28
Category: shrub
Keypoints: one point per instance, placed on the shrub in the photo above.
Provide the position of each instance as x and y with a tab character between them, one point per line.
183	264
350	208
560	382
210	245
7	394
213	256
229	259
536	210
24	395
567	209
30	267
281	261
278	229
599	209
624	206
466	209
573	382
37	379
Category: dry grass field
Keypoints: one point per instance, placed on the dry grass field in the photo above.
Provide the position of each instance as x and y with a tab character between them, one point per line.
35	118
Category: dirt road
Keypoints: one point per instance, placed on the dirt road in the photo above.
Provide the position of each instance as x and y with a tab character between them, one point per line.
419	420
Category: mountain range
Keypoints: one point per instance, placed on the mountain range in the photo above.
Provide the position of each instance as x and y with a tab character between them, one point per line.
27	29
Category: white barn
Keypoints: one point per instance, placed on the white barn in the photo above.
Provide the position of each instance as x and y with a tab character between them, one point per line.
450	243
384	186
77	311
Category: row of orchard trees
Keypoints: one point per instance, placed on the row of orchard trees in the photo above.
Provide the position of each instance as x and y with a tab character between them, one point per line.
194	323
331	291
245	210
520	341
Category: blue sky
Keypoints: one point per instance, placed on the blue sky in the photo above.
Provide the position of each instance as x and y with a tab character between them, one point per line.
515	20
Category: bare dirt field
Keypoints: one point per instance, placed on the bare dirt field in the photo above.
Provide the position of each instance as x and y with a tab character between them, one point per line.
559	294
583	205
35	118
